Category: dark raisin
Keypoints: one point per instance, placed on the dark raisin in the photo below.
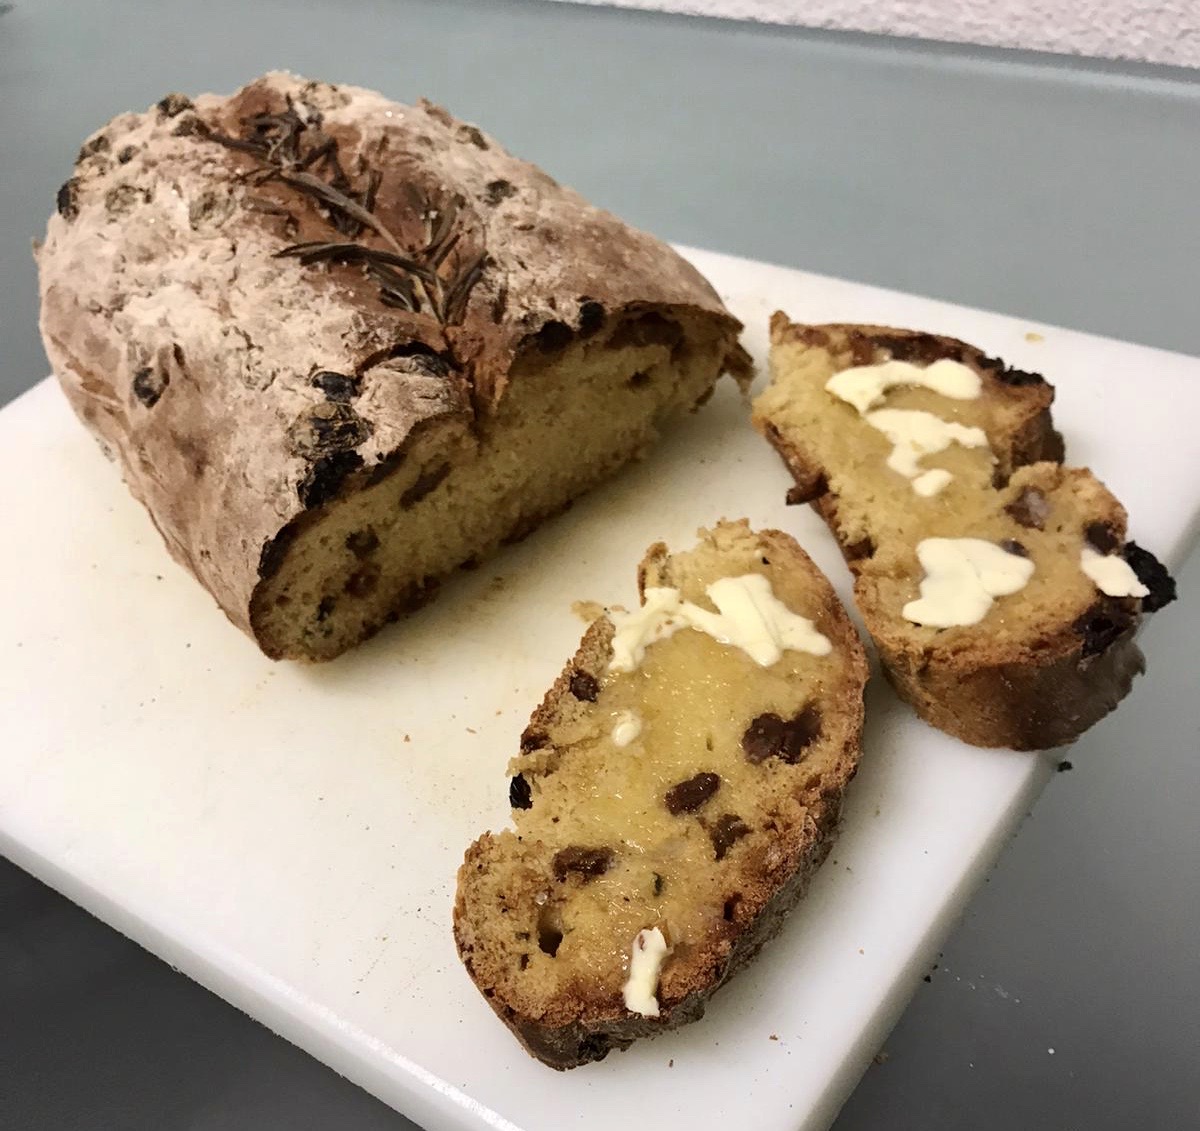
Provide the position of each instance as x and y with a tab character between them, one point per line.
857	551
1063	767
174	105
364	580
806	492
725	832
98	144
335	386
362	543
1153	575
591	317
658	883
1030	509
325	609
587	862
150	384
125	155
325	477
473	135
639	380
1102	625
553	336
584	686
690	795
1101	537
769	736
67	200
496	191
533	740
1012	546
520	796
729	911
425	483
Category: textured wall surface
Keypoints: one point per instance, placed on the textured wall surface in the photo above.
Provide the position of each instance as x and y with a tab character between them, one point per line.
1160	31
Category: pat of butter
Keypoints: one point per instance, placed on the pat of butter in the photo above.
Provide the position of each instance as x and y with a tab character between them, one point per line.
645	964
627	727
750	617
962	578
865	385
915	433
1111	574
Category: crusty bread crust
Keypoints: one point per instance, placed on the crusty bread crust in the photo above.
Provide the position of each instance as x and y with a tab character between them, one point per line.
1034	691
577	1028
220	314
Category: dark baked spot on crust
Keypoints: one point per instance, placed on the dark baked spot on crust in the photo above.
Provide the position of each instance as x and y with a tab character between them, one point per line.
496	191
325	477
1103	624
1009	376
362	543
591	317
725	832
149	384
919	348
1030	509
533	740
1101	537
121	199
805	492
520	795
586	862
584	686
1153	575
473	135
693	794
1012	546
126	154
769	736
174	104
67	199
336	386
425	483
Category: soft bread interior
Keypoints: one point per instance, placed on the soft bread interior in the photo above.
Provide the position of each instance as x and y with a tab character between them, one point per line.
568	419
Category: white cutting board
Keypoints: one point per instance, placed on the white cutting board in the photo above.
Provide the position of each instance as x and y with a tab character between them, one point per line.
268	828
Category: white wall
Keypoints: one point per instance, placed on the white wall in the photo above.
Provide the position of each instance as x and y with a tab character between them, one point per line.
1162	31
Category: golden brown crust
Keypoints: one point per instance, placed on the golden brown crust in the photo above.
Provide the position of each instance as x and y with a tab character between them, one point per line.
246	348
586	1020
1033	687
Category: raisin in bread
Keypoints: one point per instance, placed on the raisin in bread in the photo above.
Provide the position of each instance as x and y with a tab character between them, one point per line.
341	347
673	796
998	585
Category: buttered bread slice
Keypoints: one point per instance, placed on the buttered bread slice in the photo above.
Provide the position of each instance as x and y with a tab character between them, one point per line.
674	793
997	584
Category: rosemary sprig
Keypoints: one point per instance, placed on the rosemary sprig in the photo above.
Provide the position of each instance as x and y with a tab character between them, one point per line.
433	278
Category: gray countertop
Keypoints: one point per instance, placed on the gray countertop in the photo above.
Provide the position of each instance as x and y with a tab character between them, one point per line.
1061	190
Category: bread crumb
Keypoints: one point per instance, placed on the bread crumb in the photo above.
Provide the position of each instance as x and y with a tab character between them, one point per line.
587	611
671	1063
1062	767
407	738
861	951
882	1057
1033	336
472	730
773	1037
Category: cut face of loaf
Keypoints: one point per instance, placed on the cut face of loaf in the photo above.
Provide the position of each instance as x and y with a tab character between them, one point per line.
972	560
673	796
341	347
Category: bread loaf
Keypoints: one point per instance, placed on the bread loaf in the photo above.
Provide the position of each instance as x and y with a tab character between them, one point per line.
998	585
341	346
674	793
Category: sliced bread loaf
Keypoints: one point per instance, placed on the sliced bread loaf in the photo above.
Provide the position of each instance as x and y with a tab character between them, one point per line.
676	789
998	585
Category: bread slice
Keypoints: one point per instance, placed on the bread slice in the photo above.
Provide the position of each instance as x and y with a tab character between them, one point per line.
341	346
669	814
1048	653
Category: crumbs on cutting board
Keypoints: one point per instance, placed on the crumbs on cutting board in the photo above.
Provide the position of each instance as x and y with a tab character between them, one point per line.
1034	336
587	611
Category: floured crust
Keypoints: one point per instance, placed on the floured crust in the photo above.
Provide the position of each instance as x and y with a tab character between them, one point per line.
190	346
504	876
1044	665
